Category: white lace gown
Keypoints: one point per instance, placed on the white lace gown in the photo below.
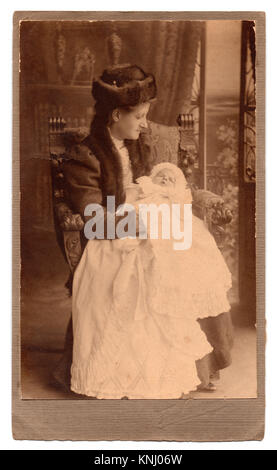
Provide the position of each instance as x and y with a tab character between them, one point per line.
135	309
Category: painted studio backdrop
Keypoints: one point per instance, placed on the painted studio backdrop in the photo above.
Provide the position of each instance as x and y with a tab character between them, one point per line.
205	71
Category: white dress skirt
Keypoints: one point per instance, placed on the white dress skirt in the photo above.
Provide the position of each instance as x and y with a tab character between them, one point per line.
135	311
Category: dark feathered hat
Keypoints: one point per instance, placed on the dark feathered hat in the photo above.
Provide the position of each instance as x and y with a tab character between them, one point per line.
124	85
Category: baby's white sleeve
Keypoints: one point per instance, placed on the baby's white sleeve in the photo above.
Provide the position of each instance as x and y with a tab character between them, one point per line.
146	185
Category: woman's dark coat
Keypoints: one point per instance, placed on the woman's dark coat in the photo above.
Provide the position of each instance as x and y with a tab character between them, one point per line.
93	170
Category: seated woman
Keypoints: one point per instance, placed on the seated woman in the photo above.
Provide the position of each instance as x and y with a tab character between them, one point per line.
114	155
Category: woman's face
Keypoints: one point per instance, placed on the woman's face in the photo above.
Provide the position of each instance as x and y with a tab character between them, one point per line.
129	124
165	178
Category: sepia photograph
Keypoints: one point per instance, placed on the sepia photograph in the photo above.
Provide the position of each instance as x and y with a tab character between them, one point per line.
138	210
102	105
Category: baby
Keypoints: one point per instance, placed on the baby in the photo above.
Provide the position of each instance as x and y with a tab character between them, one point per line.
166	186
198	266
166	180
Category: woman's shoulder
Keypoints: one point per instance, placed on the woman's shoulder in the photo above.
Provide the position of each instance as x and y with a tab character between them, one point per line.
81	153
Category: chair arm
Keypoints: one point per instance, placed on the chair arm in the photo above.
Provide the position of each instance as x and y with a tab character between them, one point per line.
212	209
211	206
68	221
70	226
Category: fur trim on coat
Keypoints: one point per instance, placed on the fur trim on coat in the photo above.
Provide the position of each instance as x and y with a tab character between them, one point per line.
102	147
93	168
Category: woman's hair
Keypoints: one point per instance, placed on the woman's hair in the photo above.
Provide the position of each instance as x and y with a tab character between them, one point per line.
122	86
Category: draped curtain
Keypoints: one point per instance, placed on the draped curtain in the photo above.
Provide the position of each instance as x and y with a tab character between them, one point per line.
171	52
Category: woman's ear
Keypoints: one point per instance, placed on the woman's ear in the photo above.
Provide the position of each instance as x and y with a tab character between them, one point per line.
115	115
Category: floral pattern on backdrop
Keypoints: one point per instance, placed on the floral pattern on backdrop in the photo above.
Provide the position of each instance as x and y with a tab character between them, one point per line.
223	179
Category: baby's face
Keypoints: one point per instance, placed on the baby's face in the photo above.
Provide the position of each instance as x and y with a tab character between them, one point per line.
164	178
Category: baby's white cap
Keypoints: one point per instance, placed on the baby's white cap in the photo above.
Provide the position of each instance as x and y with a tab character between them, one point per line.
182	193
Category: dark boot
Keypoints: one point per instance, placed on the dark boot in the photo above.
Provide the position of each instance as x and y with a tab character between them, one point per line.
61	374
219	333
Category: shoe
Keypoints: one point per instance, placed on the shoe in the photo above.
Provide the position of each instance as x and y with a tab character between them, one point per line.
207	388
184	396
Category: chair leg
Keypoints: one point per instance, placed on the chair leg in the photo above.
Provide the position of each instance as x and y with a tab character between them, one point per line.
62	372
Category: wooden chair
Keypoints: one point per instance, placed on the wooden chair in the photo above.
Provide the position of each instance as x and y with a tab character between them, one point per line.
171	144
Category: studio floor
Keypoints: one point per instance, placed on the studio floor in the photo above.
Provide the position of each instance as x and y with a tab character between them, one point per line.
237	381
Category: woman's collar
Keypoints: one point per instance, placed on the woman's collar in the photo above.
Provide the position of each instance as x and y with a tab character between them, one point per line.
119	144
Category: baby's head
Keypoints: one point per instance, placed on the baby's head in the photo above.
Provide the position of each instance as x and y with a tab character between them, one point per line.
164	177
169	175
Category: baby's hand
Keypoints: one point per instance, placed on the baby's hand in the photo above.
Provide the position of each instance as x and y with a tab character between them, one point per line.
146	185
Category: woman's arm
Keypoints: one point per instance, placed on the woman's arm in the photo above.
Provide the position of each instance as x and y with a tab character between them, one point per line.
82	179
83	183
